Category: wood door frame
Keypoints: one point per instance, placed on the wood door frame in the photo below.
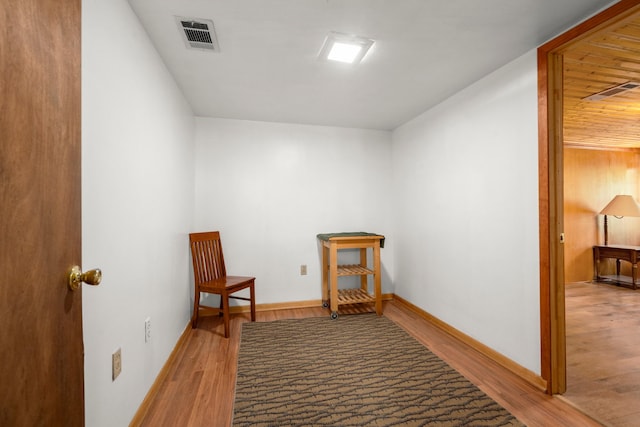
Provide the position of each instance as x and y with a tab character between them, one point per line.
551	197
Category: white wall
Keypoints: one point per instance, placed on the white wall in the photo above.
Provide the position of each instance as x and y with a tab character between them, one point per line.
138	195
466	212
270	188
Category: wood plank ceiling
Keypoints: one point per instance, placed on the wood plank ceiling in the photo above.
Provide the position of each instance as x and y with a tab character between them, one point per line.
606	59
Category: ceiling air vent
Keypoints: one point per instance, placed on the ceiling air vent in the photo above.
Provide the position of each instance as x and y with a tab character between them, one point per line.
198	33
612	91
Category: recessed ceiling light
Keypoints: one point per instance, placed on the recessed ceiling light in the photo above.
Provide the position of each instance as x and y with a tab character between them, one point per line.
344	52
344	48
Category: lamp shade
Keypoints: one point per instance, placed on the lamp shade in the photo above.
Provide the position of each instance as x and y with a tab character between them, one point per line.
622	205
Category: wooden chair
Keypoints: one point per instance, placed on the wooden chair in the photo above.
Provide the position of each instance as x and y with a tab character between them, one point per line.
211	277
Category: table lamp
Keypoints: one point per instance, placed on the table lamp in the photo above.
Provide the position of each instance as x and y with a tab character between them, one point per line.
621	205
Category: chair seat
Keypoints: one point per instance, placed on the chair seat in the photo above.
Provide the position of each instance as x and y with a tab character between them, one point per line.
226	283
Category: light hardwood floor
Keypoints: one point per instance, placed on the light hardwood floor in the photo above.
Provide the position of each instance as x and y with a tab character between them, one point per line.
603	351
199	387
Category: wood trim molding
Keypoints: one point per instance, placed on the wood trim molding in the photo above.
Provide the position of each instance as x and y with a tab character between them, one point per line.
608	149
550	174
524	373
543	207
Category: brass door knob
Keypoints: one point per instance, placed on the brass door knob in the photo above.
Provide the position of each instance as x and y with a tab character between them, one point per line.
76	277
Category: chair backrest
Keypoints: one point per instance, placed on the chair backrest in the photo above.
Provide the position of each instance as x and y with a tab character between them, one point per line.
206	253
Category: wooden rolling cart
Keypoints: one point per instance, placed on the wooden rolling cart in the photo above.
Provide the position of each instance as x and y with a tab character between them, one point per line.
332	296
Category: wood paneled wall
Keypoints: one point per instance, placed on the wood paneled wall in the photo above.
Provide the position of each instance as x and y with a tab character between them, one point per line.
591	179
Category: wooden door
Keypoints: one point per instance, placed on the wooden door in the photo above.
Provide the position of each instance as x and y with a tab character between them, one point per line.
41	348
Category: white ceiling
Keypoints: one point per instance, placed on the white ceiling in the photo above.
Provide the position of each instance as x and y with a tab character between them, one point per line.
426	50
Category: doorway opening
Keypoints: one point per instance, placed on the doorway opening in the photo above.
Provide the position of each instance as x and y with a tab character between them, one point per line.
551	192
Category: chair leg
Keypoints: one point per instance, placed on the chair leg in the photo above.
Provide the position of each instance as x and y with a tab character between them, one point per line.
253	302
196	309
225	313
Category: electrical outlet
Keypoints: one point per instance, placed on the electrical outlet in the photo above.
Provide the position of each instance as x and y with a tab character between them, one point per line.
147	329
303	270
116	364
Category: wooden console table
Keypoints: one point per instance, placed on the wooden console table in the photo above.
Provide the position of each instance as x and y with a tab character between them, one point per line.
630	254
332	296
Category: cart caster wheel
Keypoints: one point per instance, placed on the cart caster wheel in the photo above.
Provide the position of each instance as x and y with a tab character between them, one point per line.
325	304
334	315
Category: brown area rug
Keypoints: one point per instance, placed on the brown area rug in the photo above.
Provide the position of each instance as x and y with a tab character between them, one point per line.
359	370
